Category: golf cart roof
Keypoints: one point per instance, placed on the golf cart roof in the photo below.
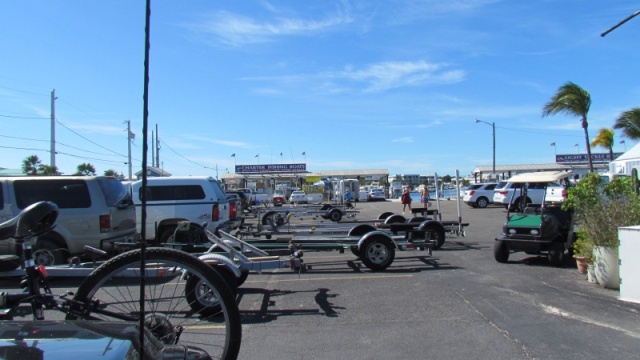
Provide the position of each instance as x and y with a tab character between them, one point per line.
540	176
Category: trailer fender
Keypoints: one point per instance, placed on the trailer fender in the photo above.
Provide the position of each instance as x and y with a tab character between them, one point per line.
437	231
377	233
221	260
384	215
361	229
395	219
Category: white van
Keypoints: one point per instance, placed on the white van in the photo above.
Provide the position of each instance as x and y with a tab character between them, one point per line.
93	210
172	199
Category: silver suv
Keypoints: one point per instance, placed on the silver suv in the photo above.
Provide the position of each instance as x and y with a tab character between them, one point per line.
94	210
508	194
479	195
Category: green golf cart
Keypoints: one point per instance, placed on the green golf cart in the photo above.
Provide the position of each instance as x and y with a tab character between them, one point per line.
540	228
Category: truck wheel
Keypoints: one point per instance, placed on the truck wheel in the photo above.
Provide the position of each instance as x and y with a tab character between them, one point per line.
482	202
47	252
335	215
556	253
501	252
377	253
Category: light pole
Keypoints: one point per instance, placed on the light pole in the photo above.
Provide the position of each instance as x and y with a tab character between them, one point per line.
493	134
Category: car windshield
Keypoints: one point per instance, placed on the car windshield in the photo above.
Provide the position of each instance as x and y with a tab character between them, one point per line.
501	185
473	187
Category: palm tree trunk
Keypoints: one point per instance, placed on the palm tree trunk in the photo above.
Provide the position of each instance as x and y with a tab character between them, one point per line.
586	138
611	153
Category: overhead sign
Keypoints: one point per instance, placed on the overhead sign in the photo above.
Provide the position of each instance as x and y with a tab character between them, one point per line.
583	159
270	168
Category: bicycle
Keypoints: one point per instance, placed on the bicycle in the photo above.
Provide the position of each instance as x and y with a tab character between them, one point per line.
173	312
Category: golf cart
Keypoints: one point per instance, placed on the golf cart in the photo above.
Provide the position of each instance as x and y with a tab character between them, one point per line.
539	228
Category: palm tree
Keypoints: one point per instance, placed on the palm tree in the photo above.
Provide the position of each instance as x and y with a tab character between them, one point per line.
571	99
629	122
31	164
604	139
48	170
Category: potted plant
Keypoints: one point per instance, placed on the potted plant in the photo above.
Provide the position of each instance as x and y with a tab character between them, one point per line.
600	209
583	252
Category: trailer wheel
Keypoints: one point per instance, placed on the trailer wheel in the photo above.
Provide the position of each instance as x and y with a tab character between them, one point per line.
243	277
221	262
384	215
335	215
325	207
555	253
377	253
501	252
437	234
355	251
198	294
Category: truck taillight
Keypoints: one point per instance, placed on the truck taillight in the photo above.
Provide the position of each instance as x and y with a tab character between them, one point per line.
105	223
233	211
503	192
564	193
215	213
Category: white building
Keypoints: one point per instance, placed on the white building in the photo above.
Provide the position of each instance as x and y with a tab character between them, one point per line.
626	162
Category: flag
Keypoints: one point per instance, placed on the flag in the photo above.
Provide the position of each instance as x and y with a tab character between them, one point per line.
304	153
257	155
280	154
233	155
576	145
622	142
552	144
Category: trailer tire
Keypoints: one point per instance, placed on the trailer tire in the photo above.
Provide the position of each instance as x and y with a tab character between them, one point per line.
222	261
377	253
355	251
437	234
384	215
501	252
556	253
195	292
335	215
266	216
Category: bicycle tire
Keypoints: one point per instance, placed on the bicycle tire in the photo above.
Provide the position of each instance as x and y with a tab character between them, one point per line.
108	296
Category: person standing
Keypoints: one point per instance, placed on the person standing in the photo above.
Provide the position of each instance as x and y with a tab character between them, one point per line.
405	199
424	196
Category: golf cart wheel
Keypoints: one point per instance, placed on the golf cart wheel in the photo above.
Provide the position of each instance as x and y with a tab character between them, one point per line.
556	253
501	252
377	253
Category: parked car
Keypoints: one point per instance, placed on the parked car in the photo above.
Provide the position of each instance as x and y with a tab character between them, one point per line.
375	194
94	210
278	198
245	202
508	194
479	195
178	198
298	197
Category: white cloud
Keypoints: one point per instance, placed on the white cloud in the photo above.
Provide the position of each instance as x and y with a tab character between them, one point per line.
404	140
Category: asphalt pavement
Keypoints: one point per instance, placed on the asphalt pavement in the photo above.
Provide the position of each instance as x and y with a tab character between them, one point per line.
458	303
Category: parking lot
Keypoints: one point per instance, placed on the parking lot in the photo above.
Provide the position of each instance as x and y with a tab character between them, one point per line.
457	304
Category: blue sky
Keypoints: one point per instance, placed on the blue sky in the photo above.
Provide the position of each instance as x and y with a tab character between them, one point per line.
390	84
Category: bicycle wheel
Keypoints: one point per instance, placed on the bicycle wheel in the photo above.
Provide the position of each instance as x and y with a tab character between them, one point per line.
111	293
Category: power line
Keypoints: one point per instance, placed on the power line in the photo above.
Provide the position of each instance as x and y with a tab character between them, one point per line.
23	117
91	141
191	161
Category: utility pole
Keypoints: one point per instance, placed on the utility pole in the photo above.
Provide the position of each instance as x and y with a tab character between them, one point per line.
130	137
157	144
53	128
153	149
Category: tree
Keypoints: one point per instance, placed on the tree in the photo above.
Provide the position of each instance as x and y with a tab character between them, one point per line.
85	169
629	123
31	164
48	170
571	99
111	172
604	139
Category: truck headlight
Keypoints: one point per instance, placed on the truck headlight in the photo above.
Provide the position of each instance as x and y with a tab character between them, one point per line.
512	231
534	232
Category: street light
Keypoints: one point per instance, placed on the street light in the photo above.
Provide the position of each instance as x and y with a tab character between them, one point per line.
493	133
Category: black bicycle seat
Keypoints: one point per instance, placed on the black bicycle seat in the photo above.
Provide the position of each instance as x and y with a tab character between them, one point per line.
35	219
